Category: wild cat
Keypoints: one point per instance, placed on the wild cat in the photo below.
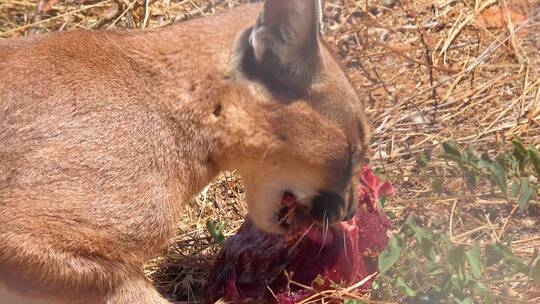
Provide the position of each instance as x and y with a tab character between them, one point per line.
104	136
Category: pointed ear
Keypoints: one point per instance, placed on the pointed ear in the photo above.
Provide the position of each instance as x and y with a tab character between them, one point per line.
285	40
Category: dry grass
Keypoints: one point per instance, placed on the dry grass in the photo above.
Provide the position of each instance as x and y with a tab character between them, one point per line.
429	70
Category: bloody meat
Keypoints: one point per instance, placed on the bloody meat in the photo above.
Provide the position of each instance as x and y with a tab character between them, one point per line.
257	266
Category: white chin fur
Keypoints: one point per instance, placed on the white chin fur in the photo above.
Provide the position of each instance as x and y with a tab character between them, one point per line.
267	225
264	196
264	203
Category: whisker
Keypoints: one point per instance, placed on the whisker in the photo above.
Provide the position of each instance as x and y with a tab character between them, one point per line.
327	221
302	237
289	213
270	146
325	232
345	247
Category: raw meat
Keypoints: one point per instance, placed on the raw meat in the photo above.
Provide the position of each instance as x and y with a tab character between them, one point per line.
256	266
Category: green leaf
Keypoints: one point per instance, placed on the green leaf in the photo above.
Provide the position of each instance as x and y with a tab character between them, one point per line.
422	234
534	274
391	215
485	157
480	288
500	252
499	177
518	265
456	257
515	189
437	185
354	302
520	153
452	149
488	299
464	301
470	154
452	153
428	248
422	160
382	201
519	149
216	231
496	253
525	193
404	288
534	155
474	260
411	223
482	164
390	255
455	284
446	241
493	254
482	291
451	157
436	272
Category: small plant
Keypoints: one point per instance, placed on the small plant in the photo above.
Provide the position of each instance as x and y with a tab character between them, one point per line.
422	265
216	231
515	173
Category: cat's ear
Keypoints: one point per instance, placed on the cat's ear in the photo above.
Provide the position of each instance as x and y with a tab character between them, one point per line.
285	39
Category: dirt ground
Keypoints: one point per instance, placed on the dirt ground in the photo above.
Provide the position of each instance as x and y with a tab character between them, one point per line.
428	70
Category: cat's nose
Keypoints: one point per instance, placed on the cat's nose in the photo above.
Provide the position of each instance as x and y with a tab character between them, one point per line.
327	208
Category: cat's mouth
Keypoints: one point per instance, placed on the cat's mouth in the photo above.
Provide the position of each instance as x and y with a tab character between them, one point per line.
293	217
288	213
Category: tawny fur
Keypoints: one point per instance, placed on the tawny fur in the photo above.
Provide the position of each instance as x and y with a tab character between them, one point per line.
104	136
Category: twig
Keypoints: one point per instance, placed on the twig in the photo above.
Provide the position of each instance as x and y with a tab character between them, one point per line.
451	221
146	13
507	221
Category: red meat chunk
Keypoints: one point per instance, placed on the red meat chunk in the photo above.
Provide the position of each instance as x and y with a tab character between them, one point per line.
254	265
